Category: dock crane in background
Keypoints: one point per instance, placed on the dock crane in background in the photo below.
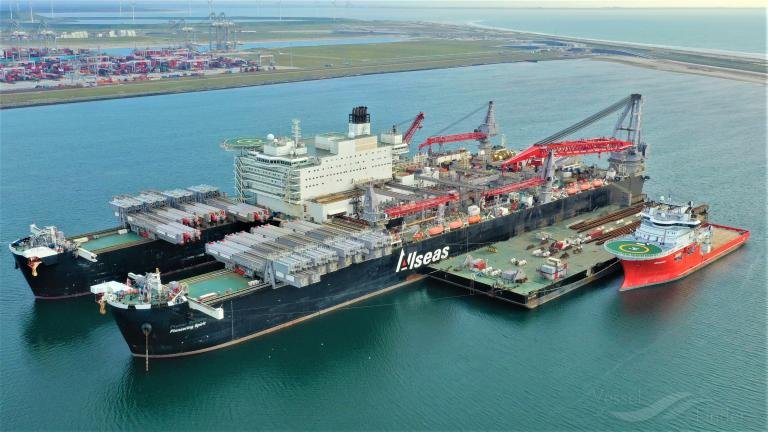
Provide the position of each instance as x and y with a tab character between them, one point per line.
627	156
482	134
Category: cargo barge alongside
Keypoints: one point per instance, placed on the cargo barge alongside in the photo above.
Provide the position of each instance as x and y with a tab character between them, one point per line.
357	216
536	267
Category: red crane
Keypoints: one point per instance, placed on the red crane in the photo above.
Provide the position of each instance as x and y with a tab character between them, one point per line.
415	126
482	133
568	148
417	206
537	181
442	139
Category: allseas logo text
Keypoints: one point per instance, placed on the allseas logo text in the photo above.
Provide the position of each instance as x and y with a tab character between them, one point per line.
414	260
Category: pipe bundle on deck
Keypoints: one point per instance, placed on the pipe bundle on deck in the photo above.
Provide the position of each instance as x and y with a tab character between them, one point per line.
177	215
299	252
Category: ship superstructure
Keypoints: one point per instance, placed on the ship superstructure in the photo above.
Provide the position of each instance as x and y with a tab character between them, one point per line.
672	241
358	217
286	173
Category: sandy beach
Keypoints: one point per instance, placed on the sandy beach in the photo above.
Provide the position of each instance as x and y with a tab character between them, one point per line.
689	68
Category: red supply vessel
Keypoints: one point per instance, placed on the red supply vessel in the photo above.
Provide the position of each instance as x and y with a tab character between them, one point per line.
672	241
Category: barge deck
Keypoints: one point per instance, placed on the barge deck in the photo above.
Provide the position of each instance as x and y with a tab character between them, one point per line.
514	264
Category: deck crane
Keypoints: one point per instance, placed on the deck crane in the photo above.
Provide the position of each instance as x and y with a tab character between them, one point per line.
482	134
418	206
412	129
415	126
627	155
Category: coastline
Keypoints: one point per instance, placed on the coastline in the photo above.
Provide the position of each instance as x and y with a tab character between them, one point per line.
213	87
692	50
687	68
437	46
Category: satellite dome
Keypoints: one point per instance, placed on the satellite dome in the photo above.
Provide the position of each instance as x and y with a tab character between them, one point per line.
270	137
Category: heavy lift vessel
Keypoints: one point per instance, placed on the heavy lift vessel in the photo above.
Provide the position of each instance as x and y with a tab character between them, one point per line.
384	218
170	227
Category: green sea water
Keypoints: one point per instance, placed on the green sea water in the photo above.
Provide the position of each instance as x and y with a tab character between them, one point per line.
687	355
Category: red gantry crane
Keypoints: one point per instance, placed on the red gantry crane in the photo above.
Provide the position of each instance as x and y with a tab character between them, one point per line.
629	151
481	134
418	206
552	146
567	149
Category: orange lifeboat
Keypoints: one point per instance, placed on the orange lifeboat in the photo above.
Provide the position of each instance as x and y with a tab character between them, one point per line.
418	236
473	219
435	230
585	186
571	190
458	223
597	183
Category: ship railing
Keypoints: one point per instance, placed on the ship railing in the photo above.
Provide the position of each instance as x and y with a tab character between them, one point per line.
634	257
639	257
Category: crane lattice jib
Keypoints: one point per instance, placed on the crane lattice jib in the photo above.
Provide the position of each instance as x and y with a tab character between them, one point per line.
442	139
416	125
418	206
622	104
513	187
569	148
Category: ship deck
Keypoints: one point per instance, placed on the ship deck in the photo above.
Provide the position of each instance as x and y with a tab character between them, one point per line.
520	247
721	236
633	248
220	283
111	240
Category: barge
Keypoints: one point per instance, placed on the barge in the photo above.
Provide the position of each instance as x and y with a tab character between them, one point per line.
536	267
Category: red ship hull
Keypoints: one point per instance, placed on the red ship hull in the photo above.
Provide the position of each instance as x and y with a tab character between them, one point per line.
643	273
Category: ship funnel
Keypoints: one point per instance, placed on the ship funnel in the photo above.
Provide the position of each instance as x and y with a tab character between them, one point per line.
360	115
359	122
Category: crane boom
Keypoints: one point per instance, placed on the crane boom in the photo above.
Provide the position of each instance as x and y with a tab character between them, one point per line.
482	133
442	139
568	148
417	206
624	103
512	187
415	126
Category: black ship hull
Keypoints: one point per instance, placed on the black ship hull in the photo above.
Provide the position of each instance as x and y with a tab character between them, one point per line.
178	330
66	275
